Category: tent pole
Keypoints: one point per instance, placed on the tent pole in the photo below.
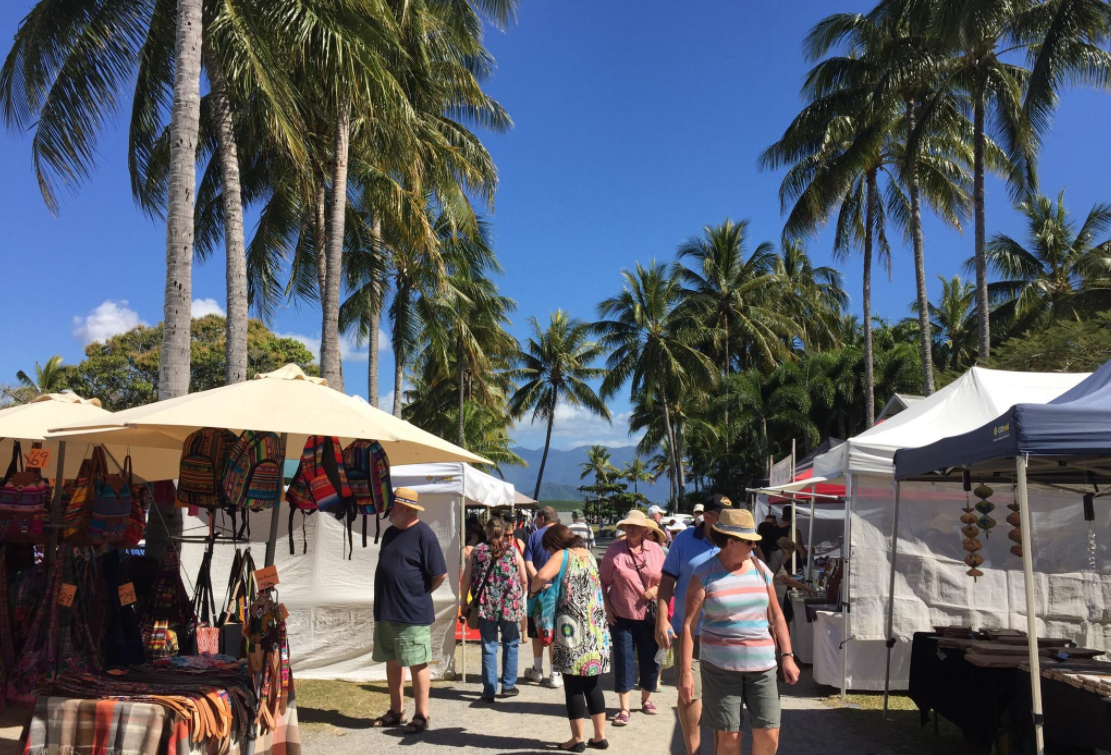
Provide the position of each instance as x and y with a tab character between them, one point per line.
810	537
462	541
56	509
1031	612
891	601
846	571
794	517
272	542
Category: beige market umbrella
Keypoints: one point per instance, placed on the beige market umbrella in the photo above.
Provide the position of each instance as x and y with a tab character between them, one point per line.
286	401
30	422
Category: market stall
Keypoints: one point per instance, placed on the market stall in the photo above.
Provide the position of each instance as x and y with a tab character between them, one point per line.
282	415
1045	463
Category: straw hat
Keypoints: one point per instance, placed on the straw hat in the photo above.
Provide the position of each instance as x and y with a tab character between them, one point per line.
786	544
656	533
407	497
634	518
737	523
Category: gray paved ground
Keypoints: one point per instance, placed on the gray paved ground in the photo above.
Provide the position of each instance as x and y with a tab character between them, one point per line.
534	722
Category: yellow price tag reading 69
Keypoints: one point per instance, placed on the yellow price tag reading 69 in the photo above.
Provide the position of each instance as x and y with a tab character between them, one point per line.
37	458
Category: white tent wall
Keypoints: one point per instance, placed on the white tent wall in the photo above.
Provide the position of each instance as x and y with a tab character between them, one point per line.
830	518
931	584
331	599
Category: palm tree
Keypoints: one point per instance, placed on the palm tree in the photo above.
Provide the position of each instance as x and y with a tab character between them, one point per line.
815	295
598	463
954	321
555	365
636	472
1063	273
653	347
49	378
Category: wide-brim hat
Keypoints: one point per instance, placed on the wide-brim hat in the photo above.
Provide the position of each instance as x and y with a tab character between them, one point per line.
407	497
634	518
656	533
787	545
737	523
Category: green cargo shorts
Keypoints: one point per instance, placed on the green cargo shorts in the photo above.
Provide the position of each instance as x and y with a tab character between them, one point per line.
405	644
726	693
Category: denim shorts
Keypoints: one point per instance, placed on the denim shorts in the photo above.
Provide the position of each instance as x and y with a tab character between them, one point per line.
726	693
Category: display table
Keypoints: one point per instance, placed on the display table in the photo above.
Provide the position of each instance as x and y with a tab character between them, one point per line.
802	631
63	725
867	659
975	699
1074	717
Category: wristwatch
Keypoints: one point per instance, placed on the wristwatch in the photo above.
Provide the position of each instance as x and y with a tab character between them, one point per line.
786	655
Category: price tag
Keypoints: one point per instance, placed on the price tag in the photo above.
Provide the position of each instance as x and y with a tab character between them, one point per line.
66	595
283	611
37	458
267	578
127	594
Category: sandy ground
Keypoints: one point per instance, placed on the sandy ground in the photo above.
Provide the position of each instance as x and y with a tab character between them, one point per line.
535	722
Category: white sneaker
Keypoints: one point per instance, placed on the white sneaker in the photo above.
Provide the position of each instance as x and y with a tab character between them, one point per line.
555	681
534	676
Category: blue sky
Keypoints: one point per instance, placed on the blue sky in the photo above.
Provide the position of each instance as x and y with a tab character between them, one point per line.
636	124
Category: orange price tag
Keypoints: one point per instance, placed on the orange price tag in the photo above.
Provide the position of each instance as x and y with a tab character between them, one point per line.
267	578
37	458
283	611
127	594
66	595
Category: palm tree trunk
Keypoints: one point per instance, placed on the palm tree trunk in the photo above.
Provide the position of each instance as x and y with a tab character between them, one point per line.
330	368
173	372
544	458
375	318
462	395
725	373
320	231
919	262
235	327
670	444
982	311
398	376
869	362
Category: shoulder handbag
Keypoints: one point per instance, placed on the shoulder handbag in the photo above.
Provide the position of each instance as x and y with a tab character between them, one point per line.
473	605
652	608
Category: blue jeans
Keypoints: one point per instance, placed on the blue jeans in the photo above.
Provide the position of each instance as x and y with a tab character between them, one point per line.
639	635
510	639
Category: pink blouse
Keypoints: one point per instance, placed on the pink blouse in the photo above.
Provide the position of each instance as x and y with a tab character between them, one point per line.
626	575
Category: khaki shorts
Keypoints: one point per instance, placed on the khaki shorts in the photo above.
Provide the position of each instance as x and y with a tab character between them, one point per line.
729	692
696	669
405	644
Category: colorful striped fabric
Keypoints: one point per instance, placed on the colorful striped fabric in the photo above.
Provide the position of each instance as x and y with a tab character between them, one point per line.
735	634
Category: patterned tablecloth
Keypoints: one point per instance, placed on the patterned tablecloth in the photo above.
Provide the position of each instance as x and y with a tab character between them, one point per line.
72	726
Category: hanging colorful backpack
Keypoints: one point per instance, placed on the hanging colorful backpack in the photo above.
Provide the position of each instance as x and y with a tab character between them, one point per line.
320	484
24	501
253	476
137	521
204	457
98	504
368	472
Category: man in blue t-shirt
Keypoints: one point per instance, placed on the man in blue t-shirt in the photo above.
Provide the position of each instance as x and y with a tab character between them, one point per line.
690	549
535	558
410	568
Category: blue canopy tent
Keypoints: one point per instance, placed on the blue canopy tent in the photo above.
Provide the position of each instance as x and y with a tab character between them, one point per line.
1063	444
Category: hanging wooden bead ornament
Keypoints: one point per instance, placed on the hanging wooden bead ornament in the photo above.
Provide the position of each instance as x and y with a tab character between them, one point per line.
985	507
1015	520
970	519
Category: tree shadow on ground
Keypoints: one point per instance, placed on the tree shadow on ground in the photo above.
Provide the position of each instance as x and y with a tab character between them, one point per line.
459	737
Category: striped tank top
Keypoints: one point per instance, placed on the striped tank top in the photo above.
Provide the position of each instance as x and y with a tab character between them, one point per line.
735	633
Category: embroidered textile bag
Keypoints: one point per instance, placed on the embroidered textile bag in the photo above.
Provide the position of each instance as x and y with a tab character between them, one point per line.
368	472
542	606
111	507
168	624
253	476
24	501
137	521
320	484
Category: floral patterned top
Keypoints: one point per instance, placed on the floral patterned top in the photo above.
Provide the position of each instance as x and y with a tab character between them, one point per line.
503	598
582	637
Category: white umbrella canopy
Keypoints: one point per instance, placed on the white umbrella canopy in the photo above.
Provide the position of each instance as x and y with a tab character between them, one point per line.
284	401
31	421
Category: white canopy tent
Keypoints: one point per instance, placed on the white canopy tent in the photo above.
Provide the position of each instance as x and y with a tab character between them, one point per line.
331	599
933	586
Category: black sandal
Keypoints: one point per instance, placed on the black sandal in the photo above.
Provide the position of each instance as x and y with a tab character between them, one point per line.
418	725
389	720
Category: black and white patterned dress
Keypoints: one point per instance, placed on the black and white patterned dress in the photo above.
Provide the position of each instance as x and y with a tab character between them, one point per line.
582	638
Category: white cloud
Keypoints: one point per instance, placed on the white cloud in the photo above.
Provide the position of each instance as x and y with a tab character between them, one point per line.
349	352
577	426
109	319
202	307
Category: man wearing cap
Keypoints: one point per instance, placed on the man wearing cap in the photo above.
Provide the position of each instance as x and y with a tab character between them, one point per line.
656	514
410	568
690	549
582	529
698	509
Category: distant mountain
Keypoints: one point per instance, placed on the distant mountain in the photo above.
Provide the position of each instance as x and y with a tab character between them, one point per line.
561	474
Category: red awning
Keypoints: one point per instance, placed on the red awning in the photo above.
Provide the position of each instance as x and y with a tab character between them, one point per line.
822	488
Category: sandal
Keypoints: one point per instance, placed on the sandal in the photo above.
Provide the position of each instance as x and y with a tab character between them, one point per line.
418	725
649	708
389	720
622	718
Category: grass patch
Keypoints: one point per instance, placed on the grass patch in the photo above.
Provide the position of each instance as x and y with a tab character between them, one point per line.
562	505
870	701
331	705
